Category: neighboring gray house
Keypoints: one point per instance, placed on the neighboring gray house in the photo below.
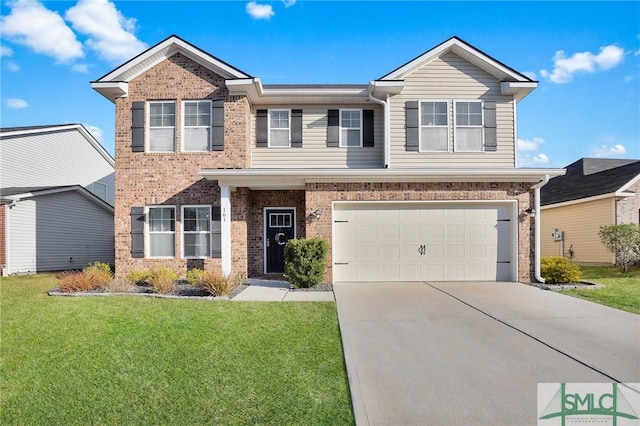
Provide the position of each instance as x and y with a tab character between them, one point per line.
56	199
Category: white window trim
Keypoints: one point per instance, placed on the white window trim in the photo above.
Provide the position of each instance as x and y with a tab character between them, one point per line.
455	125
340	142
183	120
147	126
269	111
183	232
147	233
448	126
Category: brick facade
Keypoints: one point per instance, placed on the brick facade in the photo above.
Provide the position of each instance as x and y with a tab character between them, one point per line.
628	209
321	195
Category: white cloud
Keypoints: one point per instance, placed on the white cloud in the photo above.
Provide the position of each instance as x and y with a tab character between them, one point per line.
259	11
110	33
530	74
5	51
288	3
40	29
564	68
609	150
527	160
532	144
17	103
95	131
81	68
628	78
11	66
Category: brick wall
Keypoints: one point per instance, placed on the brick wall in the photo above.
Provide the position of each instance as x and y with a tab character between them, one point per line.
3	230
321	195
628	209
172	178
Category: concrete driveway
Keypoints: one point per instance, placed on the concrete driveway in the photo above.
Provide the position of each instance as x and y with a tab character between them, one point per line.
472	353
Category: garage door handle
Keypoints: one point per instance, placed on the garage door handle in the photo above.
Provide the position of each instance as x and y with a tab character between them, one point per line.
340	221
503	261
340	263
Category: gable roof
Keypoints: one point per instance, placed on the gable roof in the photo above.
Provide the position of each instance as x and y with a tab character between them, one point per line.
6	132
114	83
590	177
15	194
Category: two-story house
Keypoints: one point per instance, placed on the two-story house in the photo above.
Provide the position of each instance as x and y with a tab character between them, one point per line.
56	199
409	177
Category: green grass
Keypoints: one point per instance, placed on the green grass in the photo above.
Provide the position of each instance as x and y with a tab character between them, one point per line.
621	291
132	360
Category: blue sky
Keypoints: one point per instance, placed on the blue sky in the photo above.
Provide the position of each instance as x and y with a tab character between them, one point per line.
586	56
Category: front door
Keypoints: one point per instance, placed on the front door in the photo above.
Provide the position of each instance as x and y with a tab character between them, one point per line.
279	228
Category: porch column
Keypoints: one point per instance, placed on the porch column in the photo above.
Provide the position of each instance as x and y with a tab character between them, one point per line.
225	231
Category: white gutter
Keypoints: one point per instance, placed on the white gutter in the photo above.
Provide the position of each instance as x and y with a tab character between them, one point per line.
385	109
536	206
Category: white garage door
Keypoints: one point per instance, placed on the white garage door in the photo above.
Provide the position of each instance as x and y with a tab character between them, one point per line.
423	242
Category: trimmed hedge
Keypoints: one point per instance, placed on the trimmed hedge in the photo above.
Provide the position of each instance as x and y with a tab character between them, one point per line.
305	261
559	270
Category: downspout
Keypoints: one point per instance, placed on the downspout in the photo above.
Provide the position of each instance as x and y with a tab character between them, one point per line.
536	206
385	109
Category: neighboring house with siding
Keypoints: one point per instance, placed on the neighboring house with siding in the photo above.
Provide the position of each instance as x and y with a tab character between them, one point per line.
410	177
56	199
593	193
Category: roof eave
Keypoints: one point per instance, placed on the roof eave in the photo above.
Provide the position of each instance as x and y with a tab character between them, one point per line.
111	89
517	89
258	94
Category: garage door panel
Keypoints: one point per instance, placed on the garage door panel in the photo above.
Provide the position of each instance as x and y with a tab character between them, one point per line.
422	241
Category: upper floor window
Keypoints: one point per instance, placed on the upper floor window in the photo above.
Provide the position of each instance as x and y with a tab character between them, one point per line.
434	126
468	126
162	231
279	128
162	124
350	127
197	126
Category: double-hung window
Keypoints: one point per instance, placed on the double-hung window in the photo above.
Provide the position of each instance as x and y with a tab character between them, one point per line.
434	126
196	228
161	231
197	126
162	126
469	126
279	128
350	127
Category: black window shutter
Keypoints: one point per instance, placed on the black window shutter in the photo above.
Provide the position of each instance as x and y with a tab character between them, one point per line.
490	134
296	128
333	128
411	125
137	126
137	232
216	235
367	128
217	125
262	129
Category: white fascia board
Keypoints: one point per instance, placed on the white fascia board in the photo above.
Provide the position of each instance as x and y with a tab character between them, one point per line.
111	89
255	91
382	88
578	201
79	189
517	89
622	191
98	147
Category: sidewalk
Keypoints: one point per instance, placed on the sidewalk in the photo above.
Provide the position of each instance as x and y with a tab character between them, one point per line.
260	290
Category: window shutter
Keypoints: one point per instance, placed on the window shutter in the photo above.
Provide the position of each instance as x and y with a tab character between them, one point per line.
262	128
296	128
490	134
137	232
137	126
333	128
217	125
367	128
411	125
216	232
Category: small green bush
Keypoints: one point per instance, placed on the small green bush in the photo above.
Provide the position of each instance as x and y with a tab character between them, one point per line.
305	261
162	279
99	266
138	277
558	270
214	283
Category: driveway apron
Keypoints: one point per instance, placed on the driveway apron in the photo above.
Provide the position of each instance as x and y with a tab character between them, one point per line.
474	352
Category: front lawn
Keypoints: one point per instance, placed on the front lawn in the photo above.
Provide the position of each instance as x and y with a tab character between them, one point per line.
129	360
621	291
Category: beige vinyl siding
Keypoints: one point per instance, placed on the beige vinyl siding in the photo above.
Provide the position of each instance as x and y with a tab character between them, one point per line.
314	152
580	223
452	78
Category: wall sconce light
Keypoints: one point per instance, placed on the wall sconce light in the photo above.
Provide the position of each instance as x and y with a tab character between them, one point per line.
530	211
317	214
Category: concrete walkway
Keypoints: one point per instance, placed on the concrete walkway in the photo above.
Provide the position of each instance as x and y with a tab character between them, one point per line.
260	290
473	353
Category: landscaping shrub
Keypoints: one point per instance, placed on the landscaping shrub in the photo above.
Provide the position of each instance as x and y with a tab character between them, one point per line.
138	277
100	266
96	275
99	273
162	279
623	240
214	283
558	270
305	261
